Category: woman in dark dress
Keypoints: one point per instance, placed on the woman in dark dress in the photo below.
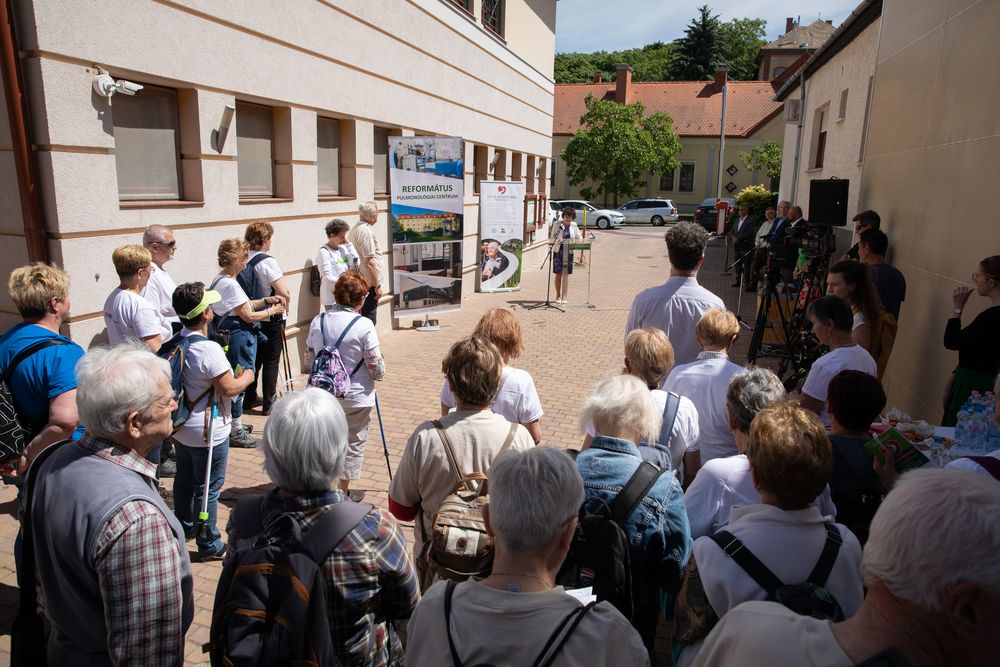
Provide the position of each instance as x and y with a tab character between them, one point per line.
562	257
978	344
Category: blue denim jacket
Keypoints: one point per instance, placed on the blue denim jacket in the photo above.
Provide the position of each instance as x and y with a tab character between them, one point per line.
657	531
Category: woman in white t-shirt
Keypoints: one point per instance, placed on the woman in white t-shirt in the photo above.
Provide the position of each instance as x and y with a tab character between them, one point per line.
359	350
832	320
649	356
240	316
517	401
335	257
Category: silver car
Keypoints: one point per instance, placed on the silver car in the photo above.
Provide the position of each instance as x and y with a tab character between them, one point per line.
602	218
654	211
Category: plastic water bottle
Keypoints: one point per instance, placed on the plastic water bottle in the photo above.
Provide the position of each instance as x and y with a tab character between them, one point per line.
962	427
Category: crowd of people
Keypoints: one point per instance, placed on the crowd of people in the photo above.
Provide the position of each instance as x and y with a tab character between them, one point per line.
752	522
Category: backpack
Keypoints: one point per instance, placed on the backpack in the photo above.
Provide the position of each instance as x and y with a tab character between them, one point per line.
315	279
247	278
599	553
175	351
328	370
270	605
572	619
808	598
658	453
14	434
459	546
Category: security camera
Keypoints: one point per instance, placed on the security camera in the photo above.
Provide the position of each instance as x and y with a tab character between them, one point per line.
127	87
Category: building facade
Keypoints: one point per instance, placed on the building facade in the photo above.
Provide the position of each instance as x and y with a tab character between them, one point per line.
788	51
250	111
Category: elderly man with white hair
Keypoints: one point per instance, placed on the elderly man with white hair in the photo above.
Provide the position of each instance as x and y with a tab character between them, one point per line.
933	578
370	581
110	556
623	413
366	245
517	614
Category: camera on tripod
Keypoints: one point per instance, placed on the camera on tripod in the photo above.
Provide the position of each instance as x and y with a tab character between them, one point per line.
813	240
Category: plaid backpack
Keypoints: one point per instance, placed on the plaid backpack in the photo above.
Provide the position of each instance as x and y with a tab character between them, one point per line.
328	370
14	434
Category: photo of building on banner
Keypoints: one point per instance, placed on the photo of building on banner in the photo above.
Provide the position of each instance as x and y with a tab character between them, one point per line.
428	190
501	231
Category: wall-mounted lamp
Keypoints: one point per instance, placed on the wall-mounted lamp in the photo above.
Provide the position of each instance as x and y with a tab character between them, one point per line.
227	119
106	86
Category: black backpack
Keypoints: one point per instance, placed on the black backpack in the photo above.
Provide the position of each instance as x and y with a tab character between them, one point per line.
270	605
855	488
247	278
599	553
175	351
14	434
808	598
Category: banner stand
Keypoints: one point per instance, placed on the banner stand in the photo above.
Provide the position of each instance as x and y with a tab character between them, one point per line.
428	325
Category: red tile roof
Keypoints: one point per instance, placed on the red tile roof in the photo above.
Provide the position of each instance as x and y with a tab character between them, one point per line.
695	106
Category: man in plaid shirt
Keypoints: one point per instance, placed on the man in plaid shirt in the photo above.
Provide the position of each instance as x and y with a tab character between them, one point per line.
110	556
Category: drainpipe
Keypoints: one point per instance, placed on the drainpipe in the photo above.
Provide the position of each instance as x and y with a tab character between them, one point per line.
798	135
17	113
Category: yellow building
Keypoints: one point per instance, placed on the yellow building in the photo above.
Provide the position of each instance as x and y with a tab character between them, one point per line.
428	223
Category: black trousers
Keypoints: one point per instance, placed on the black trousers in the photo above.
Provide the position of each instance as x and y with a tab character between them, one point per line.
370	307
267	364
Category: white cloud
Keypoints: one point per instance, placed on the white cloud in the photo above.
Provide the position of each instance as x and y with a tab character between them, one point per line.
585	26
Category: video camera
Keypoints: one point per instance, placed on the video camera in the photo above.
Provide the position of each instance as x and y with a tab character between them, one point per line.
813	240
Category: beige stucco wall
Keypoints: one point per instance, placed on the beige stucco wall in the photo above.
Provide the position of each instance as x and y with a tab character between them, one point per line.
849	69
930	171
703	152
415	66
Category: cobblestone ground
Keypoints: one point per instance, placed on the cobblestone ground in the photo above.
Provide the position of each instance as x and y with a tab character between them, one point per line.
566	351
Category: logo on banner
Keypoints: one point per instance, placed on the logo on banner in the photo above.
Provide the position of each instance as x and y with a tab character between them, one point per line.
502	189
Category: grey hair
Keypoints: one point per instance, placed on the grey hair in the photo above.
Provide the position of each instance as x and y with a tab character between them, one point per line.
336	227
532	494
153	234
367	209
750	391
494	244
305	440
621	402
112	383
936	528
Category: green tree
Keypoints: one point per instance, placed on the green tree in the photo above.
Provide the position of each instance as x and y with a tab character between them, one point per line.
698	51
765	158
649	63
616	145
740	41
756	198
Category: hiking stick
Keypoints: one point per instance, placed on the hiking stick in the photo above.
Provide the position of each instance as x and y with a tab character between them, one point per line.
385	447
287	386
203	514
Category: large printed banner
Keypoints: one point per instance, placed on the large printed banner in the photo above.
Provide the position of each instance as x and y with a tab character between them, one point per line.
501	230
428	192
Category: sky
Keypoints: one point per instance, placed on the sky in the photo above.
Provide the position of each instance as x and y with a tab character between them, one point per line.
585	26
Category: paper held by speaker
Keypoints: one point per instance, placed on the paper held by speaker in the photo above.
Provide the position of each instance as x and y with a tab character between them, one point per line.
828	201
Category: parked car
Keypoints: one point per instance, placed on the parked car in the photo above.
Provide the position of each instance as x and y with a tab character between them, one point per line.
655	211
705	213
602	218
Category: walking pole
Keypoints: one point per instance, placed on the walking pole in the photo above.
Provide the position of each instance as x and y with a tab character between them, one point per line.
385	447
203	514
286	364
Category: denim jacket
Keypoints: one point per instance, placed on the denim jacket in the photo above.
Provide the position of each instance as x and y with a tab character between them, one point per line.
657	531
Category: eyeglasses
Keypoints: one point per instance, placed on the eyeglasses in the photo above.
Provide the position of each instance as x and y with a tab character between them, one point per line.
166	244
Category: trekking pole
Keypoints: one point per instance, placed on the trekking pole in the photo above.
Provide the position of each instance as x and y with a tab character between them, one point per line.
203	514
287	386
385	447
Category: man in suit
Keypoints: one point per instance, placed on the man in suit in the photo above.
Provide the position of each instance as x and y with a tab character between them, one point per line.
741	234
777	233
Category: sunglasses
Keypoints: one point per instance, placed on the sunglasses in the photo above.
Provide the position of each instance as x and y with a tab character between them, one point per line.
166	244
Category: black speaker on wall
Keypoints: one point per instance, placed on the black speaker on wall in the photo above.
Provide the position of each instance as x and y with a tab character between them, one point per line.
828	202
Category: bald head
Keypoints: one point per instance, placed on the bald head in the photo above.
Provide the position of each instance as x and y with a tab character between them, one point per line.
159	240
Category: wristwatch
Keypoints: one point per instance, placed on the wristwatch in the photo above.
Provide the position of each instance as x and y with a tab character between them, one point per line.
957	312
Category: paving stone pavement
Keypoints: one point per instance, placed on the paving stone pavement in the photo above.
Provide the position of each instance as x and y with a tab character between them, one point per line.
567	350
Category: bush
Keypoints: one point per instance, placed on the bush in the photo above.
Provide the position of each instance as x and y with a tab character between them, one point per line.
756	198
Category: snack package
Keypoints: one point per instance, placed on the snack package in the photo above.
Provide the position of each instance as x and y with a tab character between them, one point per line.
907	456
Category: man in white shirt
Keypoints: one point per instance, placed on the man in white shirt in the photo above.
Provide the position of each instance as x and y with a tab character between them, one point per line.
725	483
366	245
932	589
832	321
161	244
127	315
335	257
676	306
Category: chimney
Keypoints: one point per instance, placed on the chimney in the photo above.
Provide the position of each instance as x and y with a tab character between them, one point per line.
721	73
829	21
789	24
623	83
598	78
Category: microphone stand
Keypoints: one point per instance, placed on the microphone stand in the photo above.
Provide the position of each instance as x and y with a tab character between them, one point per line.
739	298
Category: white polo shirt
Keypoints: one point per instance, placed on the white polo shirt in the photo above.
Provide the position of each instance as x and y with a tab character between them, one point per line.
675	308
847	358
159	291
705	381
517	400
129	317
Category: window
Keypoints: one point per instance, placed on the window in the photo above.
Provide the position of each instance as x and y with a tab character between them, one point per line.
464	4
480	168
380	162
843	105
147	145
328	156
778	71
686	180
819	143
667	182
493	15
254	150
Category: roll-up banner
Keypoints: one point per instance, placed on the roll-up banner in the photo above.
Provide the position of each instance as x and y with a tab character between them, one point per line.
428	192
501	234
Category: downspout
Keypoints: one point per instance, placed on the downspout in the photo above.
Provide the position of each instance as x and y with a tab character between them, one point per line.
17	113
798	135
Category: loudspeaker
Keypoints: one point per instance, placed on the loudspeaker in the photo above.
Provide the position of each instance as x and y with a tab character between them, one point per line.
828	202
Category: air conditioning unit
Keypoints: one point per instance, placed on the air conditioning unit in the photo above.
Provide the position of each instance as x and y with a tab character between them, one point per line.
793	111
